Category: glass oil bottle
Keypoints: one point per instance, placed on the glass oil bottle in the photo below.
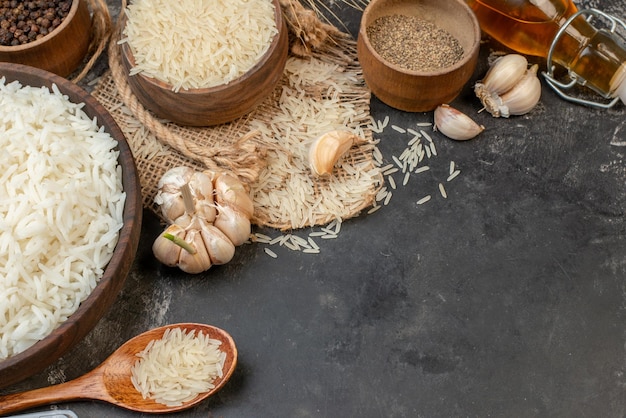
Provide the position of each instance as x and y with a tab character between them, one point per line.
558	31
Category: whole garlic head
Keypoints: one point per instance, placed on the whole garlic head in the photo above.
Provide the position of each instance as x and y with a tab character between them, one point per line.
202	232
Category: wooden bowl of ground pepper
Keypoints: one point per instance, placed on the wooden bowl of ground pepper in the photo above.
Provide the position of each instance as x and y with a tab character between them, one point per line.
418	54
53	35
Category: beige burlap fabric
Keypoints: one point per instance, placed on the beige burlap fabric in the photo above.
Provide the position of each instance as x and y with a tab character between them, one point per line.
268	148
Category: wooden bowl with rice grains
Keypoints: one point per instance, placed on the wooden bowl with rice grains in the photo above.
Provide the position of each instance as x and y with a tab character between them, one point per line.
418	54
60	245
54	39
217	65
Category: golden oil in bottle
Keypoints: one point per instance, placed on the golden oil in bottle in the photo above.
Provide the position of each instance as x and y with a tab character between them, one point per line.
595	57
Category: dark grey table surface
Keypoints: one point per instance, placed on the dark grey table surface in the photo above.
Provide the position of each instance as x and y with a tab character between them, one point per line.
507	299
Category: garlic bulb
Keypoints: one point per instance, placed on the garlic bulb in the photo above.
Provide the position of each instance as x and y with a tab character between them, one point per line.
202	232
509	87
455	124
328	149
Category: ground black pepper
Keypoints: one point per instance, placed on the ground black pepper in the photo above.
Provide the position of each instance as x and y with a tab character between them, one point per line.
22	21
413	43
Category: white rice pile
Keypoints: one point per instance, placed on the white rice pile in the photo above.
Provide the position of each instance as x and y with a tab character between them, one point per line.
178	367
312	103
198	43
61	207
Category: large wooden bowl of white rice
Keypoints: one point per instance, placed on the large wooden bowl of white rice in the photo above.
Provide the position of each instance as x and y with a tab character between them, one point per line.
70	217
203	67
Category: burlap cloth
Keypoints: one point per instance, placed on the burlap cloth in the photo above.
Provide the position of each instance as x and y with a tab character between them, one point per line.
256	146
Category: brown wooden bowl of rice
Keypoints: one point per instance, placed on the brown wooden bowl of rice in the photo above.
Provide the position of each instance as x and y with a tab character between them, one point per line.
71	212
61	50
417	54
217	66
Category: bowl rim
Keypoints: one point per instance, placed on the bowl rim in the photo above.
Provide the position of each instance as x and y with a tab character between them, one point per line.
467	55
49	36
126	52
70	332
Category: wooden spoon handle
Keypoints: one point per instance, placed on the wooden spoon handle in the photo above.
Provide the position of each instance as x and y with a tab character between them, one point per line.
89	386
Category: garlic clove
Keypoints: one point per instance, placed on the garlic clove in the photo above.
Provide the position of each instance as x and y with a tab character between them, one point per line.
198	261
326	151
229	191
206	209
166	250
171	204
221	250
234	224
168	195
201	186
523	97
503	74
455	124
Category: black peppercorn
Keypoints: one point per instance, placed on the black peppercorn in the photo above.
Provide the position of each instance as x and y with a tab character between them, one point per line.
24	21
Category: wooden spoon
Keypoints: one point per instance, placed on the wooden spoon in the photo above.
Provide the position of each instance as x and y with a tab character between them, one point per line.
110	381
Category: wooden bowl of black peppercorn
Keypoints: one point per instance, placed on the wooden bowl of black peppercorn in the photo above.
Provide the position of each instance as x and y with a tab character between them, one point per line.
53	35
418	54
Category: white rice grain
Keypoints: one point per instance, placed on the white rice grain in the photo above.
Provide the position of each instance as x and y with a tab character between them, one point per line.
423	200
270	253
442	190
453	175
392	182
405	181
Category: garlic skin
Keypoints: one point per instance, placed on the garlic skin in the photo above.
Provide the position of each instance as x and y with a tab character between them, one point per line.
326	151
455	124
509	87
201	186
